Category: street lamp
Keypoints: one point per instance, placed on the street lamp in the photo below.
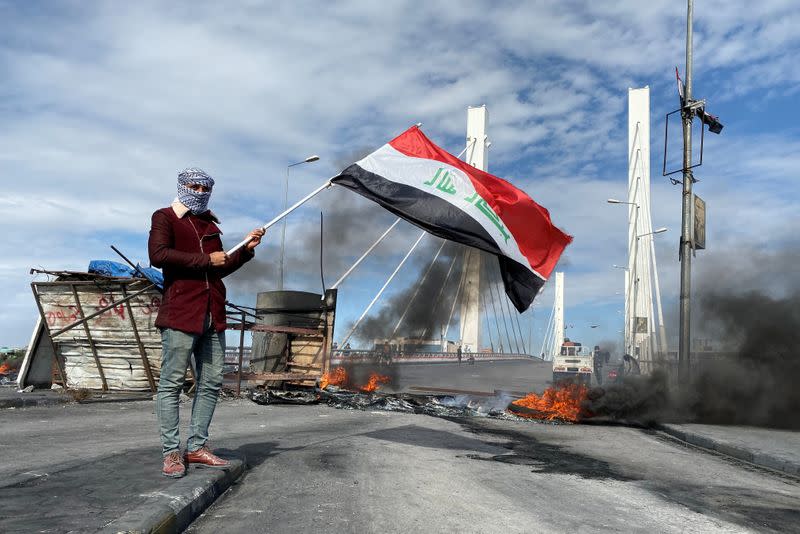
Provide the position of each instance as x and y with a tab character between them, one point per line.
636	214
309	159
657	231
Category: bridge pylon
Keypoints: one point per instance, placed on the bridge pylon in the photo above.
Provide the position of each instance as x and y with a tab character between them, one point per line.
477	152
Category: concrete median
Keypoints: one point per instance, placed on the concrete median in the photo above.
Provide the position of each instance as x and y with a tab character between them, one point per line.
172	509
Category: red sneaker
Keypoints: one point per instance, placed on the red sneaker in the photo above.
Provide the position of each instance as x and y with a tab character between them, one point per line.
203	456
173	465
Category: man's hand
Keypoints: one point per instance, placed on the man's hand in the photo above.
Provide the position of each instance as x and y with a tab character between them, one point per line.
255	238
218	259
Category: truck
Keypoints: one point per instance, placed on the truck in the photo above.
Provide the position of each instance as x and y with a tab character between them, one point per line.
573	363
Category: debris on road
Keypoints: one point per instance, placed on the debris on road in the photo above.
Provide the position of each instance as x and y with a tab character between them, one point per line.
273	396
434	405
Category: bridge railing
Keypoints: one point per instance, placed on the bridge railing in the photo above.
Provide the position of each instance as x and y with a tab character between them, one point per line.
340	357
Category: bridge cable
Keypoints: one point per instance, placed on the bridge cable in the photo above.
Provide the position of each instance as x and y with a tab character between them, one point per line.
416	291
385	285
439	295
510	319
494	308
504	302
530	331
455	297
486	318
502	315
365	254
502	319
519	329
547	332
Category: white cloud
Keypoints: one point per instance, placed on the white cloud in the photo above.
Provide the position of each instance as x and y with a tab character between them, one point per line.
103	103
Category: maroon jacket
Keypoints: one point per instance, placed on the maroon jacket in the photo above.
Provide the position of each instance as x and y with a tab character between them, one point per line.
180	246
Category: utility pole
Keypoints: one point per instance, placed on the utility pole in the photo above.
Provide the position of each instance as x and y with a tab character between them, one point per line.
687	114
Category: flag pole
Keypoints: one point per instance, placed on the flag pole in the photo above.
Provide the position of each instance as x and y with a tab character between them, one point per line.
290	209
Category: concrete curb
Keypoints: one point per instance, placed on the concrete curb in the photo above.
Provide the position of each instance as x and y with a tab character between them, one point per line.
174	509
763	460
22	402
29	400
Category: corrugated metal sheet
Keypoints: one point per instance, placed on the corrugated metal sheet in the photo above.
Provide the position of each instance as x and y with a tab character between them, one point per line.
110	339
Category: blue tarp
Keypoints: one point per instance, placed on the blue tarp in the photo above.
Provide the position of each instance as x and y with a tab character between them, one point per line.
120	270
154	275
110	268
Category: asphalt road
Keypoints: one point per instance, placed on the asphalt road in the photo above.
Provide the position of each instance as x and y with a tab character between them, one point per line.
320	469
314	468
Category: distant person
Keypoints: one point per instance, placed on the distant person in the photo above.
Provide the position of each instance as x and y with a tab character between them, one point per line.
458	354
597	360
385	358
185	243
631	365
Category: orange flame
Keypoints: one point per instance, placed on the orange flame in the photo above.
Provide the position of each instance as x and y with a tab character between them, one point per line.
339	377
375	380
335	377
5	368
562	402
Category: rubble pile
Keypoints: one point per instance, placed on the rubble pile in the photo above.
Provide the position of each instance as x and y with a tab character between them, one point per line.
340	389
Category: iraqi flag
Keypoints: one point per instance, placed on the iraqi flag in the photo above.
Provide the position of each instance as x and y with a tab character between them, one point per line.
423	184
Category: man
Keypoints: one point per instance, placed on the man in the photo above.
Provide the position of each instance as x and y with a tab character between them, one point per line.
630	365
597	360
185	243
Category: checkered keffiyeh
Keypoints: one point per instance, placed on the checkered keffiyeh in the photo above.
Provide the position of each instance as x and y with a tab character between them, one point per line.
196	202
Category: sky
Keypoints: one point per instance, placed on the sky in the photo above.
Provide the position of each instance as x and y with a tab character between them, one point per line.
103	103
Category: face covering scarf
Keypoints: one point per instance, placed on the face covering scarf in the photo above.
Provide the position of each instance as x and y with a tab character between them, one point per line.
196	202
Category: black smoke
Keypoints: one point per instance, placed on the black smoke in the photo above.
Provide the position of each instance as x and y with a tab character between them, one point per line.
748	310
757	384
427	312
608	345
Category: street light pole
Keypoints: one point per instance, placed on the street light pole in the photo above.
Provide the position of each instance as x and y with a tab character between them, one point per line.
687	115
309	159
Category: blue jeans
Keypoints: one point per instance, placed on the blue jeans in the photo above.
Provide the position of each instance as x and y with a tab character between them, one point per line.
176	349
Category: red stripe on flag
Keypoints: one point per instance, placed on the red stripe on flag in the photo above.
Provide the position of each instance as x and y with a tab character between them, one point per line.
538	239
